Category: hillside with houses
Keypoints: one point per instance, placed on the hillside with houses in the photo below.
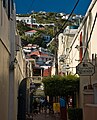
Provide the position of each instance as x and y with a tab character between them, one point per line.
37	31
41	55
39	28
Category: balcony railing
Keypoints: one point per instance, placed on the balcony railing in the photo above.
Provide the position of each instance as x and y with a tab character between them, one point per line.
37	79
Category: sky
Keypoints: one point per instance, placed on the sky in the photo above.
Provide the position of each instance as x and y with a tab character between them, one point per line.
59	6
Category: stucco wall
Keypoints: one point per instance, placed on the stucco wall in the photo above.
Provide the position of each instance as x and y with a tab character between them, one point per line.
85	80
94	35
19	75
65	41
90	112
4	64
4	82
4	28
11	73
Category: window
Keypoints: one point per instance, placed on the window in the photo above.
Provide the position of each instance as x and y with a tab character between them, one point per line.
12	6
8	9
36	72
4	3
27	21
9	6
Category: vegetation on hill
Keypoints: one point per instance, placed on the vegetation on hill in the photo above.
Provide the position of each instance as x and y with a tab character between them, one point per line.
22	28
42	18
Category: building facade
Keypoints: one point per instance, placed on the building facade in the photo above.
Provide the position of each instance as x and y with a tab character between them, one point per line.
12	62
27	19
65	60
84	43
6	13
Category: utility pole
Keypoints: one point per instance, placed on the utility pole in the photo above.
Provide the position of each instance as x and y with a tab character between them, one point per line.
56	52
56	56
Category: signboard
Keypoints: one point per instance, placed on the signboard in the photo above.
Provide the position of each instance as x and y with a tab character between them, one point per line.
85	69
56	107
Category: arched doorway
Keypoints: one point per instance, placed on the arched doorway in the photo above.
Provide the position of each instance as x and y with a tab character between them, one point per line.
24	99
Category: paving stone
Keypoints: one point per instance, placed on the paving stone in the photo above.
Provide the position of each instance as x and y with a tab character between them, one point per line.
43	116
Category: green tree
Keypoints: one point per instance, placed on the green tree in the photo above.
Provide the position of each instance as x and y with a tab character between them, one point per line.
22	27
62	86
59	85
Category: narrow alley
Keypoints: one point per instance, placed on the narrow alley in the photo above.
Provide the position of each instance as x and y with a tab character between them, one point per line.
44	116
48	60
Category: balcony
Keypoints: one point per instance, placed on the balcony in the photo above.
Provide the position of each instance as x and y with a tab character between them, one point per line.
37	79
70	30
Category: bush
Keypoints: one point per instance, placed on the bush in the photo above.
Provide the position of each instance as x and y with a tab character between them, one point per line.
75	114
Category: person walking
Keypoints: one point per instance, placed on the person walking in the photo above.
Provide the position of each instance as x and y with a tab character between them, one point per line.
35	104
63	109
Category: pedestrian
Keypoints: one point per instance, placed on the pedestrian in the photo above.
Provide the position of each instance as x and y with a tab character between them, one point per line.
35	104
63	109
46	106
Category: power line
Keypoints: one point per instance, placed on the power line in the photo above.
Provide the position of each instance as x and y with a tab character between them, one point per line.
86	17
56	39
89	37
63	26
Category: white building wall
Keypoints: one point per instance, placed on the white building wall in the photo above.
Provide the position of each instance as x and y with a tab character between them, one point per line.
24	19
65	42
60	51
28	20
87	35
94	35
73	56
92	46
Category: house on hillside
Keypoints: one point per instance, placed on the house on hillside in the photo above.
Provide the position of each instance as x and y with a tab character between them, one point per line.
40	57
47	71
29	20
30	33
29	48
46	38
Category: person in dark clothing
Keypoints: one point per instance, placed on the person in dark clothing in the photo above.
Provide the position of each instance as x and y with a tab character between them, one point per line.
35	104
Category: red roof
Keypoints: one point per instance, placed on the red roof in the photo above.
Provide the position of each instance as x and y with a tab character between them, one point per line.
33	31
47	72
38	53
